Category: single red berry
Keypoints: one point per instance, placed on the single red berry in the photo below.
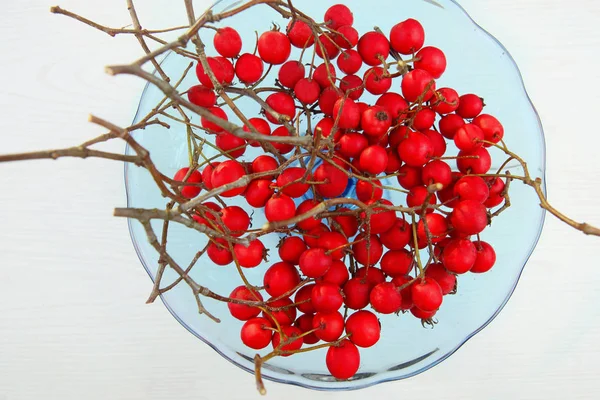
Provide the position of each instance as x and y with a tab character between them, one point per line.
409	177
472	188
486	257
347	37
326	297
211	126
416	150
310	222
302	299
373	160
373	275
347	224
376	121
470	106
282	311
337	274
365	255
424	119
385	298
290	73
343	360
332	181
364	328
417	196
264	163
274	47
283	148
227	42
202	96
394	161
326	46
469	217
291	248
194	177
449	124
289	334
207	214
352	86
312	238
394	104
496	185
468	137
261	126
325	125
324	78
376	81
228	172
304	323
329	326
437	171
300	34
280	208
280	278
494	201
231	144
432	60
447	103
352	144
347	113
256	333
218	252
423	315
314	263
374	48
236	220
337	16
349	62
459	256
281	103
242	311
290	182
475	162
222	69
307	90
403	283
445	279
250	256
334	243
418	84
493	130
427	294
407	37
356	293
381	219
398	236
438	229
329	96
369	190
397	262
438	143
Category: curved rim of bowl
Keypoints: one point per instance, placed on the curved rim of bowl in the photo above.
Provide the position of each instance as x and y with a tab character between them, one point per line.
387	379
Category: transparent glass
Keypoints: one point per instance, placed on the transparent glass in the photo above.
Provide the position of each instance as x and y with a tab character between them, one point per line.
477	63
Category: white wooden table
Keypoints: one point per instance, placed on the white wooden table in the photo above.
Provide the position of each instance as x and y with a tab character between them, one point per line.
73	323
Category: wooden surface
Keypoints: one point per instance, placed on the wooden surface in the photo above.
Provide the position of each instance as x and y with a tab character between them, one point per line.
73	323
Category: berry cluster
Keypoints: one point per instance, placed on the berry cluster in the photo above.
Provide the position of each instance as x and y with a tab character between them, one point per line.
340	256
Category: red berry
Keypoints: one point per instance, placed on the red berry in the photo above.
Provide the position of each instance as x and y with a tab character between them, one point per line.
256	333
204	216
249	256
424	119
448	103
385	298
409	177
222	69
417	196
349	62
230	144
418	84
437	171
407	37
459	256
438	143
373	160
364	328
283	148
352	144
242	311
326	297
476	162
394	161
343	360
307	90
374	48
329	96
227	42
337	274
470	106
376	121
261	126
347	37
326	46
472	188
398	236
493	130
397	262
366	191
264	163
438	229
212	126
445	279
337	16
394	104
281	103
374	276
450	124
332	181
366	256
329	326
403	283
194	177
290	73
468	137
202	96
236	220
280	278
427	294
496	186
218	252
423	315
274	47
335	243
469	217
432	60
352	86
347	113
314	263
304	323
310	222
416	149
376	82
356	293
302	299
291	248
300	34
381	219
290	182
285	312
348	224
486	257
280	208
228	172
312	238
289	334
324	79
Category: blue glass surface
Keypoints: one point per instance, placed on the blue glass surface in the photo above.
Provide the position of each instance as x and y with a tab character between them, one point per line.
477	63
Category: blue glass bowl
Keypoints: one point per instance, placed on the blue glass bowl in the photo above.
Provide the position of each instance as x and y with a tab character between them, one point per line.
477	63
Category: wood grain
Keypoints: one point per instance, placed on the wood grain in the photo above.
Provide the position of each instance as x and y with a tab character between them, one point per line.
74	325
